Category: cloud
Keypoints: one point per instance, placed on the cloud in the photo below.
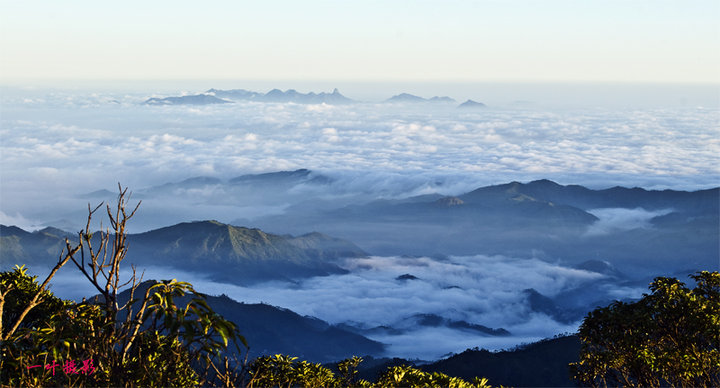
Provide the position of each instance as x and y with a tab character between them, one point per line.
95	140
16	220
479	289
618	219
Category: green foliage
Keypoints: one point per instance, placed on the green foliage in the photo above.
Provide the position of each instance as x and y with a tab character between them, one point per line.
669	337
285	371
406	376
157	349
20	289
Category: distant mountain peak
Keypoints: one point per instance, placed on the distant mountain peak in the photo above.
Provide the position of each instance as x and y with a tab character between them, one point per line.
52	231
470	104
411	98
444	99
601	266
239	254
405	97
406	277
196	99
544	182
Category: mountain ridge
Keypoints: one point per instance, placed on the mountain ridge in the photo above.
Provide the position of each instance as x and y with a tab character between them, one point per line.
196	99
227	253
411	98
271	330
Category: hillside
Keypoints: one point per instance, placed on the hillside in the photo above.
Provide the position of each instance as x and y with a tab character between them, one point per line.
223	252
271	330
629	227
540	364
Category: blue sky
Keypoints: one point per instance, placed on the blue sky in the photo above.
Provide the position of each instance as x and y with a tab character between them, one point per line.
484	40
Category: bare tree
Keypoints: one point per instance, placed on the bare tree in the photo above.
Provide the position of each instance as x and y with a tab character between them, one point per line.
181	339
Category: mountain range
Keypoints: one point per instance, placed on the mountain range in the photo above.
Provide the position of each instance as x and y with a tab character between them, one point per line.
197	99
277	95
410	98
217	96
223	252
220	96
540	364
629	227
470	104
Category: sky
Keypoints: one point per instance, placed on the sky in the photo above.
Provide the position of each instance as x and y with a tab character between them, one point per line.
483	40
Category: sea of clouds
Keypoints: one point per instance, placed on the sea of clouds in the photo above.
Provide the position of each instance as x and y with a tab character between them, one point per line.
481	290
57	146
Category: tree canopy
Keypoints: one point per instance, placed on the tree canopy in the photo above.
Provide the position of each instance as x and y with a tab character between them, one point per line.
669	337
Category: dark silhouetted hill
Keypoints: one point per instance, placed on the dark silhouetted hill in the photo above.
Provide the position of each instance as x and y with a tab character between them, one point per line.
540	364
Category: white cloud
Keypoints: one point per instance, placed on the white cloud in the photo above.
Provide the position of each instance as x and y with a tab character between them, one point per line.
16	220
477	289
618	219
369	148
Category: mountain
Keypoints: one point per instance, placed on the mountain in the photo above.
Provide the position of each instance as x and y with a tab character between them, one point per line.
470	104
444	99
407	325
540	364
225	253
542	304
271	330
410	98
540	219
240	255
601	266
433	320
405	97
501	205
251	189
277	95
197	99
18	246
701	202
281	178
235	94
